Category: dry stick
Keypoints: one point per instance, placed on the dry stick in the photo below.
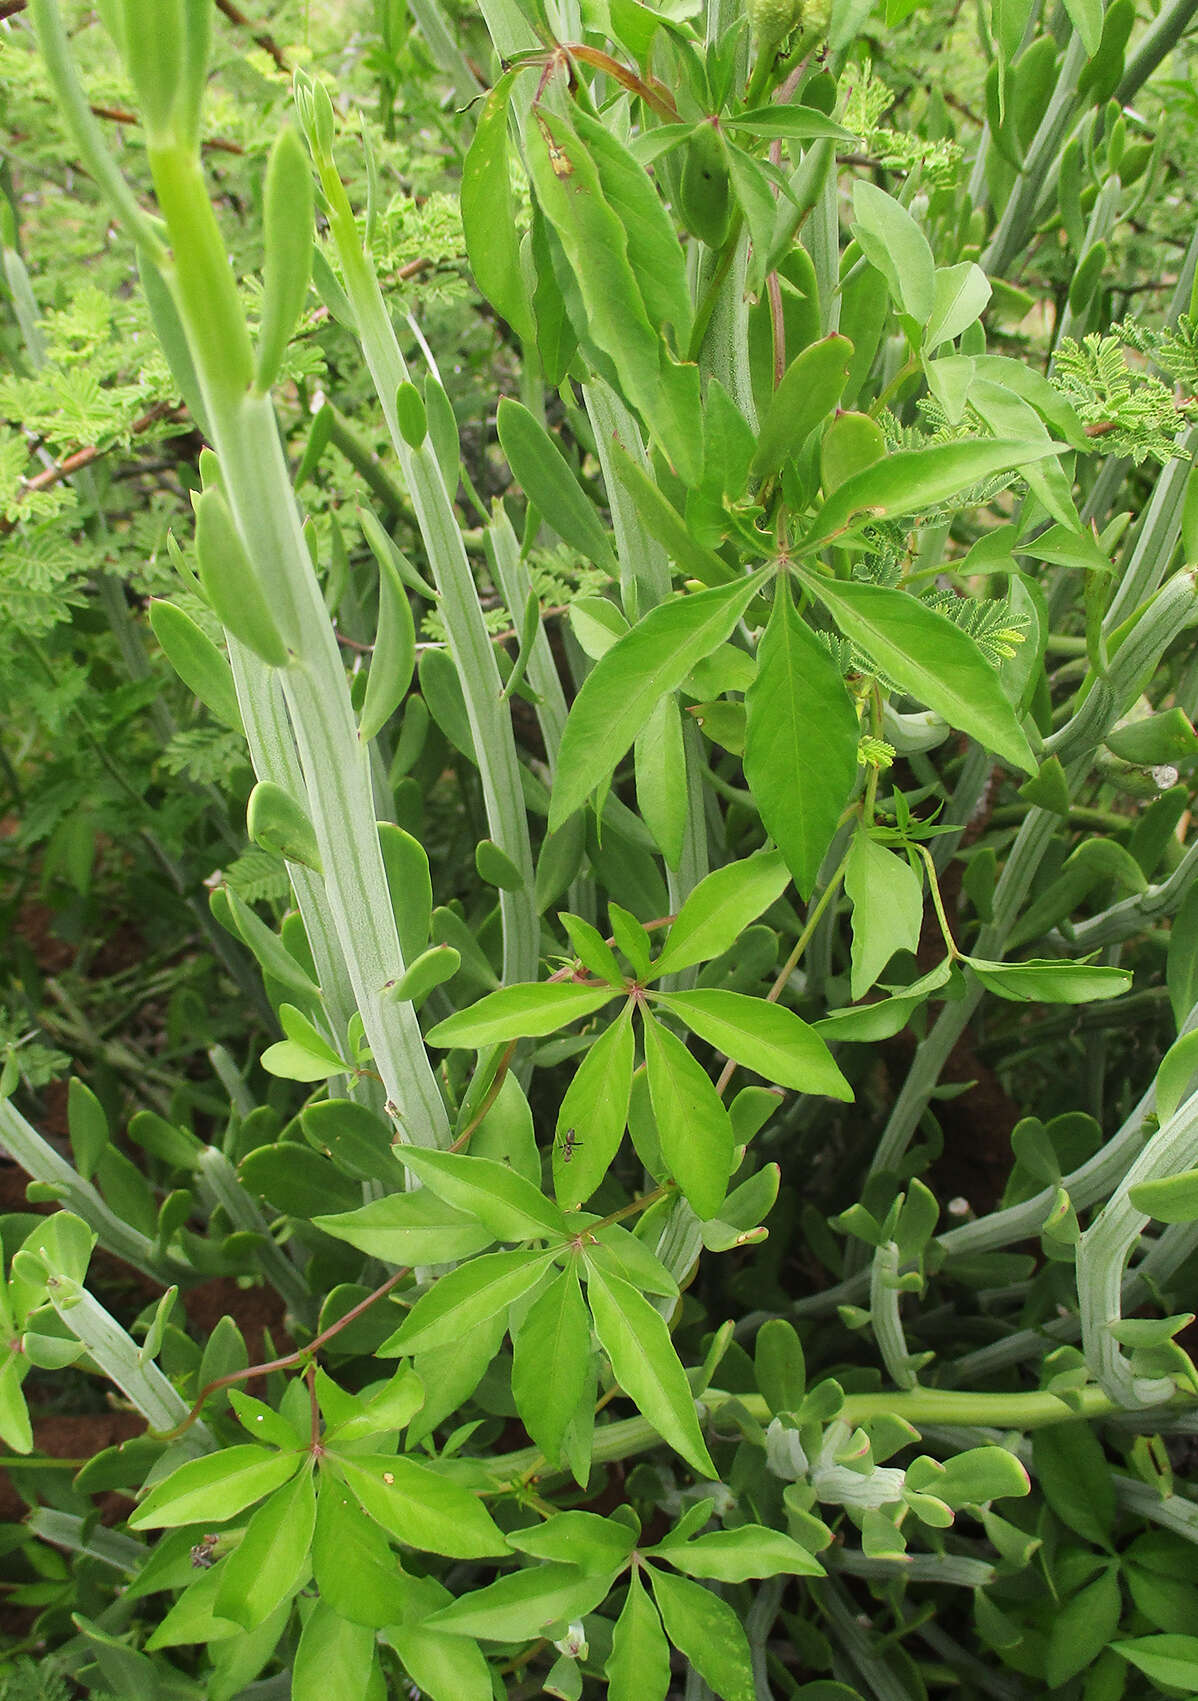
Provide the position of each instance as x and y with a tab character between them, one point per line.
121	115
265	41
287	1361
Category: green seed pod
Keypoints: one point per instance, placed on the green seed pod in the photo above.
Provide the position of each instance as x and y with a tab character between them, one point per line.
771	21
705	196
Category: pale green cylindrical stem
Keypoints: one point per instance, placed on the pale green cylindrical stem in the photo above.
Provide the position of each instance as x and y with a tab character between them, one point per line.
1161	36
116	1353
1105	1248
222	1185
885	1315
1132	915
1102	222
503	552
821	239
468	640
25	1146
1156	536
644	569
1042	157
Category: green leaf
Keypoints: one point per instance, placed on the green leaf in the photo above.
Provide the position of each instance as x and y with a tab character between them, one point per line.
761	1035
1086	17
489	214
443	1667
274	957
797	123
1168	1199
551	1353
598	247
696	1135
663	522
511	1207
278	823
887	899
1167	737
420	1507
638	1667
734	1556
527	1011
410	885
218	1486
584	1539
926	655
635	1338
524	1604
1082	1628
202	667
394	656
810	390
979	1475
545	476
15	1429
592	949
465	1298
960	297
271	1560
595	1111
1167	1659
88	1127
334	1660
719	908
1049	981
288	230
431	969
894	243
233	588
661	786
409	1228
705	1629
355	1567
619	694
800	740
1076	1480
912	480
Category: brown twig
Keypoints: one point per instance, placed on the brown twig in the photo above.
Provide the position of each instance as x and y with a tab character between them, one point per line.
298	1356
265	41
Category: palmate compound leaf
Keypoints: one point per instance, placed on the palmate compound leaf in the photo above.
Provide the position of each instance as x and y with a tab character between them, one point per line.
761	1035
636	1340
620	692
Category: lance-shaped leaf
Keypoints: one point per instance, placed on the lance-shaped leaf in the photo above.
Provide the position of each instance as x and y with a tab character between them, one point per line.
464	1298
620	692
409	1228
911	480
893	241
638	1667
511	1207
394	655
608	298
271	1560
887	899
288	233
695	1132
217	1486
719	909
489	216
801	737
523	1604
550	1356
929	657
870	1022
527	1011
545	476
706	1630
201	666
761	1035
419	1506
330	1643
734	1556
594	1113
809	390
230	583
1049	981
635	1338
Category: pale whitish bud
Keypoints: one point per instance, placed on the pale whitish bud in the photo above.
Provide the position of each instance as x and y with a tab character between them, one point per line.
574	1643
